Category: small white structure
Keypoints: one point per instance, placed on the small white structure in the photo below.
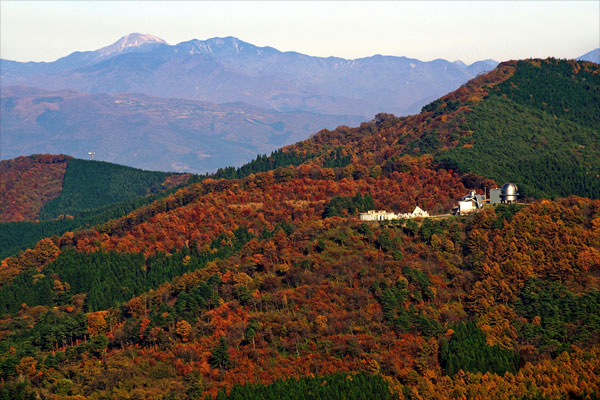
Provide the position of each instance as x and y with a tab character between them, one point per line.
377	215
382	215
418	212
466	207
470	203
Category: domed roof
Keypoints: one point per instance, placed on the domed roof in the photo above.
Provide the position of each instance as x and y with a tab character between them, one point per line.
509	189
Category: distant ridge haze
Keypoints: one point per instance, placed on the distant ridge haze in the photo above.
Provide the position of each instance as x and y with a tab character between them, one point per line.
149	132
227	69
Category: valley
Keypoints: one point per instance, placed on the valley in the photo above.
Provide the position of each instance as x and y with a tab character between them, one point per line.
135	130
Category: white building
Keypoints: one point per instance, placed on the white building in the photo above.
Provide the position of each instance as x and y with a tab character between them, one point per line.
417	212
466	207
377	215
382	215
470	203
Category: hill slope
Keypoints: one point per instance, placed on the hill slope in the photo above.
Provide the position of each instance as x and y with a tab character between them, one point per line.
28	183
540	127
224	70
45	187
88	185
534	122
270	275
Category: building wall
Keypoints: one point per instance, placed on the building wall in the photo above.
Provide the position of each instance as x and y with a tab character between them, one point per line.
367	217
373	215
495	196
465	207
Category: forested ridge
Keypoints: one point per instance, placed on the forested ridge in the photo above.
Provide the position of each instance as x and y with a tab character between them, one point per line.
533	122
88	185
261	282
28	183
83	193
541	127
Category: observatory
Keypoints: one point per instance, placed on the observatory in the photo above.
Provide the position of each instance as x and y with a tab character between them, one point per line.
473	202
509	193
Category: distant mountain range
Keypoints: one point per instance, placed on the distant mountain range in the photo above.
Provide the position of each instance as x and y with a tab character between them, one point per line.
222	70
200	105
149	132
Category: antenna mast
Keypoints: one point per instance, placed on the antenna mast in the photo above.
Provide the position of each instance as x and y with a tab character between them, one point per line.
91	153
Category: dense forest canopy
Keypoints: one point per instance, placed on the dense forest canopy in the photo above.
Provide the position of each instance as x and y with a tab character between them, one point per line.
261	282
91	184
541	128
80	193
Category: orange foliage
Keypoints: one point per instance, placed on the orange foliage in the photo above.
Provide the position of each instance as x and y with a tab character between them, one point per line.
28	183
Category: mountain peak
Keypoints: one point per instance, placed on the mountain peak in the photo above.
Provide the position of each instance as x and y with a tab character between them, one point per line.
592	56
129	41
226	46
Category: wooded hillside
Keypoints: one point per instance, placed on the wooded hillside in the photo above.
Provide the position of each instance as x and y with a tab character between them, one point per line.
267	285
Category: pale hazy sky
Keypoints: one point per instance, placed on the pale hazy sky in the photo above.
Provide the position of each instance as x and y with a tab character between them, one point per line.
467	30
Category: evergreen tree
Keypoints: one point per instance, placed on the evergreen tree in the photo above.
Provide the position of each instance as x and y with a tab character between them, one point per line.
219	357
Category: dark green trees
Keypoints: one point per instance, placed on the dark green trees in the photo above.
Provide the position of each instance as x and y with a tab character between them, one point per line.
89	185
340	386
219	357
467	350
339	205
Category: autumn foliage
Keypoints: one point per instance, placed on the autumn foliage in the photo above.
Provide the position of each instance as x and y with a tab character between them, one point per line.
28	183
256	281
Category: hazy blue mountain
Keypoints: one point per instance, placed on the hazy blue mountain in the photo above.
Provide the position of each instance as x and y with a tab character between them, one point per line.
221	70
592	56
148	132
134	42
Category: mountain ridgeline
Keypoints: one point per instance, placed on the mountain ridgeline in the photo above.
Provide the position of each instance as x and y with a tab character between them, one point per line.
260	282
534	122
226	70
541	127
207	103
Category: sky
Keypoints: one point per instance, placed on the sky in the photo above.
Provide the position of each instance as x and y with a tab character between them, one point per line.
453	30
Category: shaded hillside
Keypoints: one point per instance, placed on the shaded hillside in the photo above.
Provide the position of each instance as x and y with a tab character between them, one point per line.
45	187
88	185
225	70
269	282
28	183
148	132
